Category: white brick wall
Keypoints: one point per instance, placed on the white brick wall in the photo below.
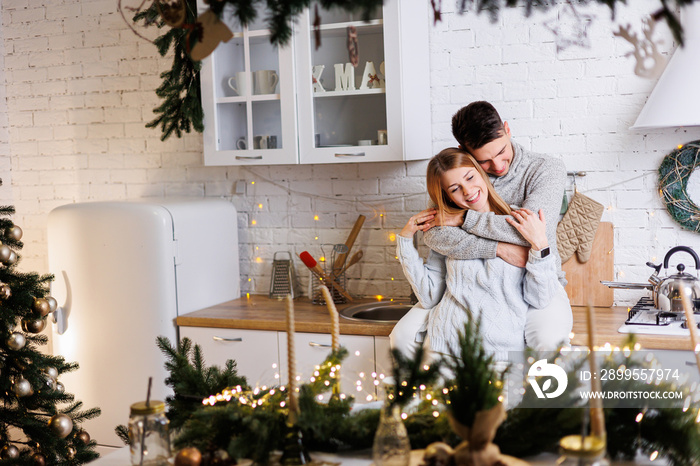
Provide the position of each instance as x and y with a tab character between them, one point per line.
80	87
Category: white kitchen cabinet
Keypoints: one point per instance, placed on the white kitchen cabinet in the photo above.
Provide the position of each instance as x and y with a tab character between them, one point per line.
256	352
311	350
382	355
387	119
237	107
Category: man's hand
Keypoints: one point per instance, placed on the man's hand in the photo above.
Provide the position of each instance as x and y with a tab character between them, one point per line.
449	220
513	254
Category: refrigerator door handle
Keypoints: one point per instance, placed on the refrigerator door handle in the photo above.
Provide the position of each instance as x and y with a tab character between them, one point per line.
215	338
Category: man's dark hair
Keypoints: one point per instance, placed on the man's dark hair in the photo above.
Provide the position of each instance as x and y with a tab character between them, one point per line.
476	125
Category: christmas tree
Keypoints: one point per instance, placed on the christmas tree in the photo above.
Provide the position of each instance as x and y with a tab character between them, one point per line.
38	417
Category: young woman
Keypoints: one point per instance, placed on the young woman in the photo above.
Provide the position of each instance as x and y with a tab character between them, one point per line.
490	289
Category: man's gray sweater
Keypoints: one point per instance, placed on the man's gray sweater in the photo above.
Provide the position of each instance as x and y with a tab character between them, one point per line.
534	181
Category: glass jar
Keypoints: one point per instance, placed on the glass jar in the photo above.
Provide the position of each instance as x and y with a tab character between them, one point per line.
391	445
589	452
149	436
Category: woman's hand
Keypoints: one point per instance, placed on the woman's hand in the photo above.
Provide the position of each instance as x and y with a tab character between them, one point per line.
531	226
421	221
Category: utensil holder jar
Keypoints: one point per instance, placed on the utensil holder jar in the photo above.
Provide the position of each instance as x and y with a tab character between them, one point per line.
316	282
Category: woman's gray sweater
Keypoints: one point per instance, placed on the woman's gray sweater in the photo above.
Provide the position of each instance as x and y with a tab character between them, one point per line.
492	289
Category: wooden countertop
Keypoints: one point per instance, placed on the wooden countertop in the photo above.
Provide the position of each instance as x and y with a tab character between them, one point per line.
258	312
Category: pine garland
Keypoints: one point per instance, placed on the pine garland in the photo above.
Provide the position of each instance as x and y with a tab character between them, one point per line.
674	171
672	431
181	109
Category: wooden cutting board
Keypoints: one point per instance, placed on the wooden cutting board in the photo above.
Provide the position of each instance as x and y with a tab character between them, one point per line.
584	279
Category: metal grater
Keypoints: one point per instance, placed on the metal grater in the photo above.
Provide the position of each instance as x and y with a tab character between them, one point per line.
281	283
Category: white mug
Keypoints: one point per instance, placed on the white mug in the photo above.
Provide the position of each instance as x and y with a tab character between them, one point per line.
265	81
239	83
364	142
241	144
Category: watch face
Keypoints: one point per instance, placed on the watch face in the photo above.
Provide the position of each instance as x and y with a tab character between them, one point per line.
544	252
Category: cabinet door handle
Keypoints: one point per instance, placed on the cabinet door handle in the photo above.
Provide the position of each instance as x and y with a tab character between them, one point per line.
319	345
250	157
215	338
359	154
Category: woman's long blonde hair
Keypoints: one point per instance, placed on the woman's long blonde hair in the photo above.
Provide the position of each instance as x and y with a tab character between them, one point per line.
448	159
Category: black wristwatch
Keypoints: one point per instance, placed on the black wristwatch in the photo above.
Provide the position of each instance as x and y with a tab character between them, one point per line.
542	253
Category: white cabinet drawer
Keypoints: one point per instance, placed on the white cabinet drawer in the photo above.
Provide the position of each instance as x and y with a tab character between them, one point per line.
255	351
312	348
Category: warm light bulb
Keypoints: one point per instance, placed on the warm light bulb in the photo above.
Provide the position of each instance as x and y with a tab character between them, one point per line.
259	206
258	260
679	147
392	237
252	182
316	237
379	297
315	217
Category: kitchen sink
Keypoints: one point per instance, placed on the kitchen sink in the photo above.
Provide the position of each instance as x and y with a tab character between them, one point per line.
376	312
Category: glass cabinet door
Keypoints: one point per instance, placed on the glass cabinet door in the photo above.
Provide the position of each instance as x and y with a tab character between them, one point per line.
346	112
248	99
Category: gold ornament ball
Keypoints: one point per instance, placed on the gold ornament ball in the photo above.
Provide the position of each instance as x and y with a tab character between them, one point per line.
53	304
34	325
12	259
41	307
21	387
61	425
52	372
38	459
189	456
9	452
5	291
16	341
83	437
14	232
71	453
60	388
4	253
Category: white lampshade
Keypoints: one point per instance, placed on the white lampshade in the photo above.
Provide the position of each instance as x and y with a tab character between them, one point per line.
675	101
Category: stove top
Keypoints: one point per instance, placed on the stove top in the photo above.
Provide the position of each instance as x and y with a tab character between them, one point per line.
643	317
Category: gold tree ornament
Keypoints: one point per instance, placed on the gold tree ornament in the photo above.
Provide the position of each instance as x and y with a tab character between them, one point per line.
61	425
41	307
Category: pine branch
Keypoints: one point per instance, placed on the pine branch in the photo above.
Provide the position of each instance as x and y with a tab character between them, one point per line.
475	386
409	374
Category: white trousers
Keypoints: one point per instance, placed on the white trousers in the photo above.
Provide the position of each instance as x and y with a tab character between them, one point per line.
545	329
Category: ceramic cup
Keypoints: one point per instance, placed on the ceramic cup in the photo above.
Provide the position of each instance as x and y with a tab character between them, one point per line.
265	81
364	142
239	82
260	142
241	144
381	137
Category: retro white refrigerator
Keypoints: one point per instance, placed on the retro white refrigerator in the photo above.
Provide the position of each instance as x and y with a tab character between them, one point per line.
123	272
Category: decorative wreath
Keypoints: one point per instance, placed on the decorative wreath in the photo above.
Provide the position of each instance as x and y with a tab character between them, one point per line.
674	171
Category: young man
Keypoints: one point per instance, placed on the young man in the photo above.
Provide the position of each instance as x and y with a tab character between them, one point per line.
524	179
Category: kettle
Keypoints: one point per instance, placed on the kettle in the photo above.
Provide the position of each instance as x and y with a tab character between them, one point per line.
667	291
